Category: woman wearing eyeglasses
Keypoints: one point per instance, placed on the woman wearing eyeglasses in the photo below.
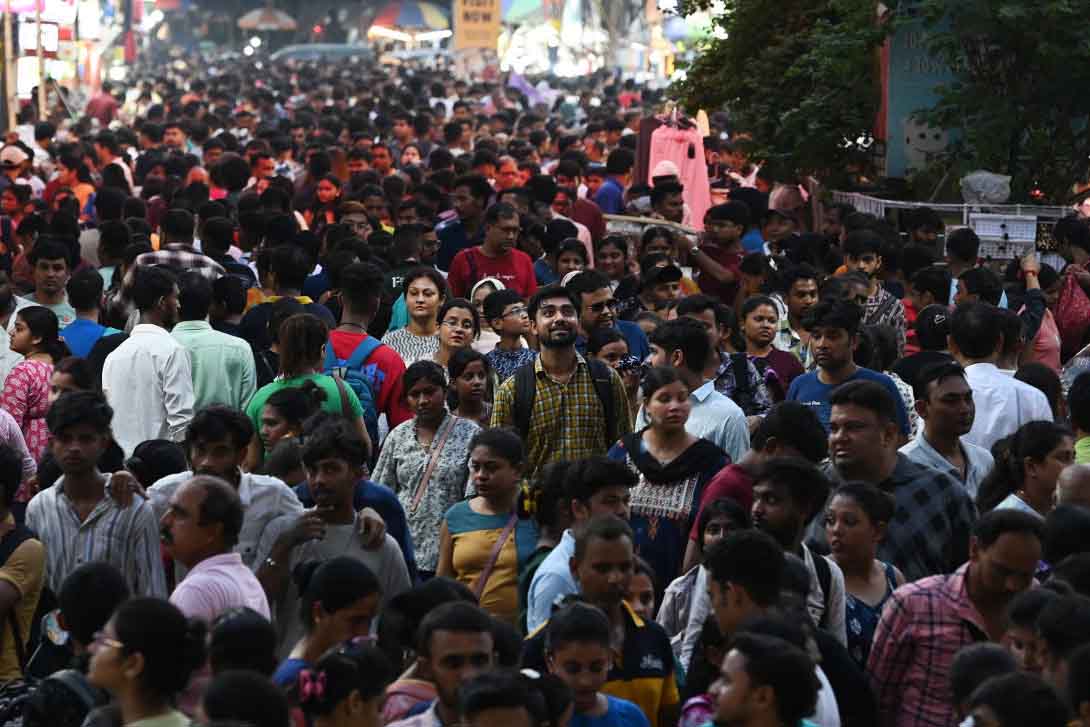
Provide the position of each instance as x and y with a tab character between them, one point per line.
144	658
459	325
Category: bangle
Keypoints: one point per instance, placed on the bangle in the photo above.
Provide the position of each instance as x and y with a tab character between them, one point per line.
1030	272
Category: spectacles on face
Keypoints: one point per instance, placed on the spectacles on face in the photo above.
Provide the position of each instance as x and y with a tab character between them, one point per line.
516	312
101	638
464	325
601	306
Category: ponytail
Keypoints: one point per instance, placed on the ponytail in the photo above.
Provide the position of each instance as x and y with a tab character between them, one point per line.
363	669
43	324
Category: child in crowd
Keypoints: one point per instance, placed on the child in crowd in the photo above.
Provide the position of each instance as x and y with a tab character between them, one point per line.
578	651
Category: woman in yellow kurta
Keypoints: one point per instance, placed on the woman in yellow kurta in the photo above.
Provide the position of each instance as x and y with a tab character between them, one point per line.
474	529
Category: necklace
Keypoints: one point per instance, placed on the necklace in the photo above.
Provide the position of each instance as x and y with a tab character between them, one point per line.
355	325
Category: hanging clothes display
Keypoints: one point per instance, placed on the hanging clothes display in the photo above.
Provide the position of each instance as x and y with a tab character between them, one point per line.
648	125
682	144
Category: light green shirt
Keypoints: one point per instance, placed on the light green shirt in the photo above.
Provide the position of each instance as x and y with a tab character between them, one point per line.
65	313
1082	451
223	365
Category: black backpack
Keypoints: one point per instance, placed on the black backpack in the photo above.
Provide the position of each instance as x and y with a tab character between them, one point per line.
744	394
526	392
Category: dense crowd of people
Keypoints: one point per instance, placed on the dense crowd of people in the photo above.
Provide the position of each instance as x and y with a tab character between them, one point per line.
342	400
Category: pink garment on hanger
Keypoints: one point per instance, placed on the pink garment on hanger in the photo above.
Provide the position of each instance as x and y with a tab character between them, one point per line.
674	144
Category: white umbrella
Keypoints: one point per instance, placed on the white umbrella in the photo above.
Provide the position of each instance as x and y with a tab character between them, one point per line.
267	19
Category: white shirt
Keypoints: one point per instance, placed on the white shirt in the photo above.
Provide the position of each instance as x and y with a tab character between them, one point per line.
263	499
1003	405
149	383
713	417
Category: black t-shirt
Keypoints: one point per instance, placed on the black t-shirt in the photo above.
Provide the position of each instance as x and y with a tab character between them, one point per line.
254	326
854	697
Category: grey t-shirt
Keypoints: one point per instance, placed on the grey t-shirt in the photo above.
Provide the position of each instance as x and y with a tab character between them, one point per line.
386	562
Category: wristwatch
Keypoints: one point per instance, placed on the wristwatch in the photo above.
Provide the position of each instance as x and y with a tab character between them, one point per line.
694	249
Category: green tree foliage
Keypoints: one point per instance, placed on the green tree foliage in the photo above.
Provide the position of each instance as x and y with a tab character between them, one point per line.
1019	98
800	76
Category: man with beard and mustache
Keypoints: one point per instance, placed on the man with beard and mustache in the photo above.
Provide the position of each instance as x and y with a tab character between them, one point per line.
930	531
598	311
149	376
834	334
924	624
765	681
787	493
565	407
863	252
644	672
334	458
944	400
200	530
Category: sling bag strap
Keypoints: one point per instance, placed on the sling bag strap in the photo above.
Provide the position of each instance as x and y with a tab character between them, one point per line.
482	581
433	459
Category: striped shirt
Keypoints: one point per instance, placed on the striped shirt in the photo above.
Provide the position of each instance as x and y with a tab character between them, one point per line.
127	538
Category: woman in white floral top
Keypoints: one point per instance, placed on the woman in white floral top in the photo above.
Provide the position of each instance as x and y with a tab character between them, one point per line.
408	453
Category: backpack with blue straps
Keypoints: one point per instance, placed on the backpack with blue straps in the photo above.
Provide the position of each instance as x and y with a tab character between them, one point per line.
363	379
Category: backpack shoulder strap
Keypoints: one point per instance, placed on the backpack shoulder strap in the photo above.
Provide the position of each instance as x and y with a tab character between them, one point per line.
363	352
739	364
330	361
825	580
601	376
525	393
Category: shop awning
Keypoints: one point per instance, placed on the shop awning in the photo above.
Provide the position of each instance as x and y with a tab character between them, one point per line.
267	19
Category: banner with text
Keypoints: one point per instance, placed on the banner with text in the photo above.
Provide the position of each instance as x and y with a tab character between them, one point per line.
476	24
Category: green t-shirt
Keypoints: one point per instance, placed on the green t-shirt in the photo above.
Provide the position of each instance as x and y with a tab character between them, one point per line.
333	403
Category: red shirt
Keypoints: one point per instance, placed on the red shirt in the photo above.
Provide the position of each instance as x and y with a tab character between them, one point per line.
389	370
733	482
912	345
515	270
732	261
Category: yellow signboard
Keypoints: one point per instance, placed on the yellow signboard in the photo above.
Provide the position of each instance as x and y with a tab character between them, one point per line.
476	24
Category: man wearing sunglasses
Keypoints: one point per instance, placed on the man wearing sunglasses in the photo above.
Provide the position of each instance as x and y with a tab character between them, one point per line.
598	310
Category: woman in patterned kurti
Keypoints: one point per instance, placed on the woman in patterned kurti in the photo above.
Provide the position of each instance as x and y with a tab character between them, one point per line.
855	522
407	450
673	467
26	390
